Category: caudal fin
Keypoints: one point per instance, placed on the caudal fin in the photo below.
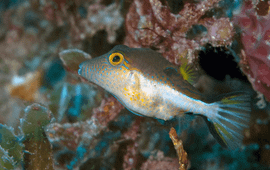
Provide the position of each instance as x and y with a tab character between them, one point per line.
231	118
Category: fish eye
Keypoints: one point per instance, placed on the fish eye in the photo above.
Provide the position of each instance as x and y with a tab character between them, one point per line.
116	58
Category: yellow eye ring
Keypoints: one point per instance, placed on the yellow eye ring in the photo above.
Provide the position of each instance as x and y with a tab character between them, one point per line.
116	58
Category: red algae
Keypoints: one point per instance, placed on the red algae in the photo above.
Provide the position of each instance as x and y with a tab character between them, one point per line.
255	37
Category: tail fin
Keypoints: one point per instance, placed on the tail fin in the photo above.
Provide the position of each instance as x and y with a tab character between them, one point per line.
231	118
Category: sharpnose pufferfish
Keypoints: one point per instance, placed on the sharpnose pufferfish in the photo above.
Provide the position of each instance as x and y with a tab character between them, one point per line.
147	84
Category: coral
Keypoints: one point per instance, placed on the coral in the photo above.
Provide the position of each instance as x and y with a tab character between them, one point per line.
78	137
182	154
151	24
6	161
100	17
36	117
35	142
72	135
37	158
220	31
130	159
11	148
159	162
132	152
255	61
31	142
107	111
133	132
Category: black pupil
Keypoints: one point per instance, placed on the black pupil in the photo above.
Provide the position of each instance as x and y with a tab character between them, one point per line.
169	71
116	58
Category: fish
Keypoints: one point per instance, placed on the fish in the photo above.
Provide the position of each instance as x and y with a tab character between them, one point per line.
149	85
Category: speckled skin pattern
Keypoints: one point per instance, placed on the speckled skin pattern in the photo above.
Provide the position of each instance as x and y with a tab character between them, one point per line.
145	83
